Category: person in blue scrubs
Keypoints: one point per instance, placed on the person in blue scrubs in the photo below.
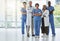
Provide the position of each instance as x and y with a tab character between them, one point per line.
24	15
37	13
51	17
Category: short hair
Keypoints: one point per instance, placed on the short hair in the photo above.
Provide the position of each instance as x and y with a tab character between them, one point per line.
36	4
24	3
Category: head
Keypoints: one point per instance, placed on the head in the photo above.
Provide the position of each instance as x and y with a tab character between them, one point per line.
30	3
37	5
44	7
24	4
49	3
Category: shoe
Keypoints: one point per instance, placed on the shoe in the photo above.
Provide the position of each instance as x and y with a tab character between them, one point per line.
37	36
33	35
43	35
28	35
47	36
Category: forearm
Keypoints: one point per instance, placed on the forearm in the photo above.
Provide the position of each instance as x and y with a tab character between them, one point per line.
37	14
24	13
51	12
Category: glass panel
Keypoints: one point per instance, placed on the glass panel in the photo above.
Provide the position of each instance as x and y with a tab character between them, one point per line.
19	5
11	12
2	13
57	15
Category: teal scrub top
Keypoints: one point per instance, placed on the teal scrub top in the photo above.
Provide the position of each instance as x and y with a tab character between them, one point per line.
37	11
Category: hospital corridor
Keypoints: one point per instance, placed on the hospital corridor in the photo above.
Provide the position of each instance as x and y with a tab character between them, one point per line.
15	26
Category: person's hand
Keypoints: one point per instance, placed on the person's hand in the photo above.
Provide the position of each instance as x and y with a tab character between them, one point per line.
24	12
34	14
51	12
37	14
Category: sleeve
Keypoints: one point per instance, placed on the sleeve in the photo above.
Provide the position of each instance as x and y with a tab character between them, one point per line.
33	11
46	13
53	9
40	11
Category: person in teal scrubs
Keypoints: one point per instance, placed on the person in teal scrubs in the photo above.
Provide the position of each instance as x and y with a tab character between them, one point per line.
24	15
37	13
51	17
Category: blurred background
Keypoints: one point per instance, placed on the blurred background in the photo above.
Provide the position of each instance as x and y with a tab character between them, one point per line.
10	17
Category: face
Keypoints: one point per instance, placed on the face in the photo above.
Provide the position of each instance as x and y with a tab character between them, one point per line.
37	6
49	3
30	3
24	4
44	7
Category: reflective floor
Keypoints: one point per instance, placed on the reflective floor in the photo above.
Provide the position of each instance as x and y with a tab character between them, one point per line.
14	34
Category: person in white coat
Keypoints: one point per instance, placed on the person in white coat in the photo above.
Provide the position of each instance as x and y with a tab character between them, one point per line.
29	23
45	21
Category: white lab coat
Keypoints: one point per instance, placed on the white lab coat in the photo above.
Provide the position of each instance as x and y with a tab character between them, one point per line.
29	16
46	18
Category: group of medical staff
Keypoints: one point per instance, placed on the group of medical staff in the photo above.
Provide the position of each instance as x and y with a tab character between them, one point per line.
35	18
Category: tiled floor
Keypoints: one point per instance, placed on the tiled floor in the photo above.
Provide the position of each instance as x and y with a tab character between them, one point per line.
14	34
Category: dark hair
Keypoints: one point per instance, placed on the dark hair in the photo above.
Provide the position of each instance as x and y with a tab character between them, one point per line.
36	4
24	3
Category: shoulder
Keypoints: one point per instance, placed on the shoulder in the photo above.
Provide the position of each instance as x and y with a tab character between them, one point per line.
34	9
39	9
52	7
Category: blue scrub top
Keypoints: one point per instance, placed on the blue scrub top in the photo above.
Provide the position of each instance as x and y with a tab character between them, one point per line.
37	11
23	15
50	8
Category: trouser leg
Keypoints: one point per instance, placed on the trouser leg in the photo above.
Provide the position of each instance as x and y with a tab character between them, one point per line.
52	24
22	26
42	27
27	29
47	30
37	27
32	27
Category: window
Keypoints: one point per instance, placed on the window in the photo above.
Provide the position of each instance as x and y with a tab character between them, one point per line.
10	13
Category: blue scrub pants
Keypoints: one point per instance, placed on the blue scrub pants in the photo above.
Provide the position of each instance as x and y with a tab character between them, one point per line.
51	20
23	23
37	26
